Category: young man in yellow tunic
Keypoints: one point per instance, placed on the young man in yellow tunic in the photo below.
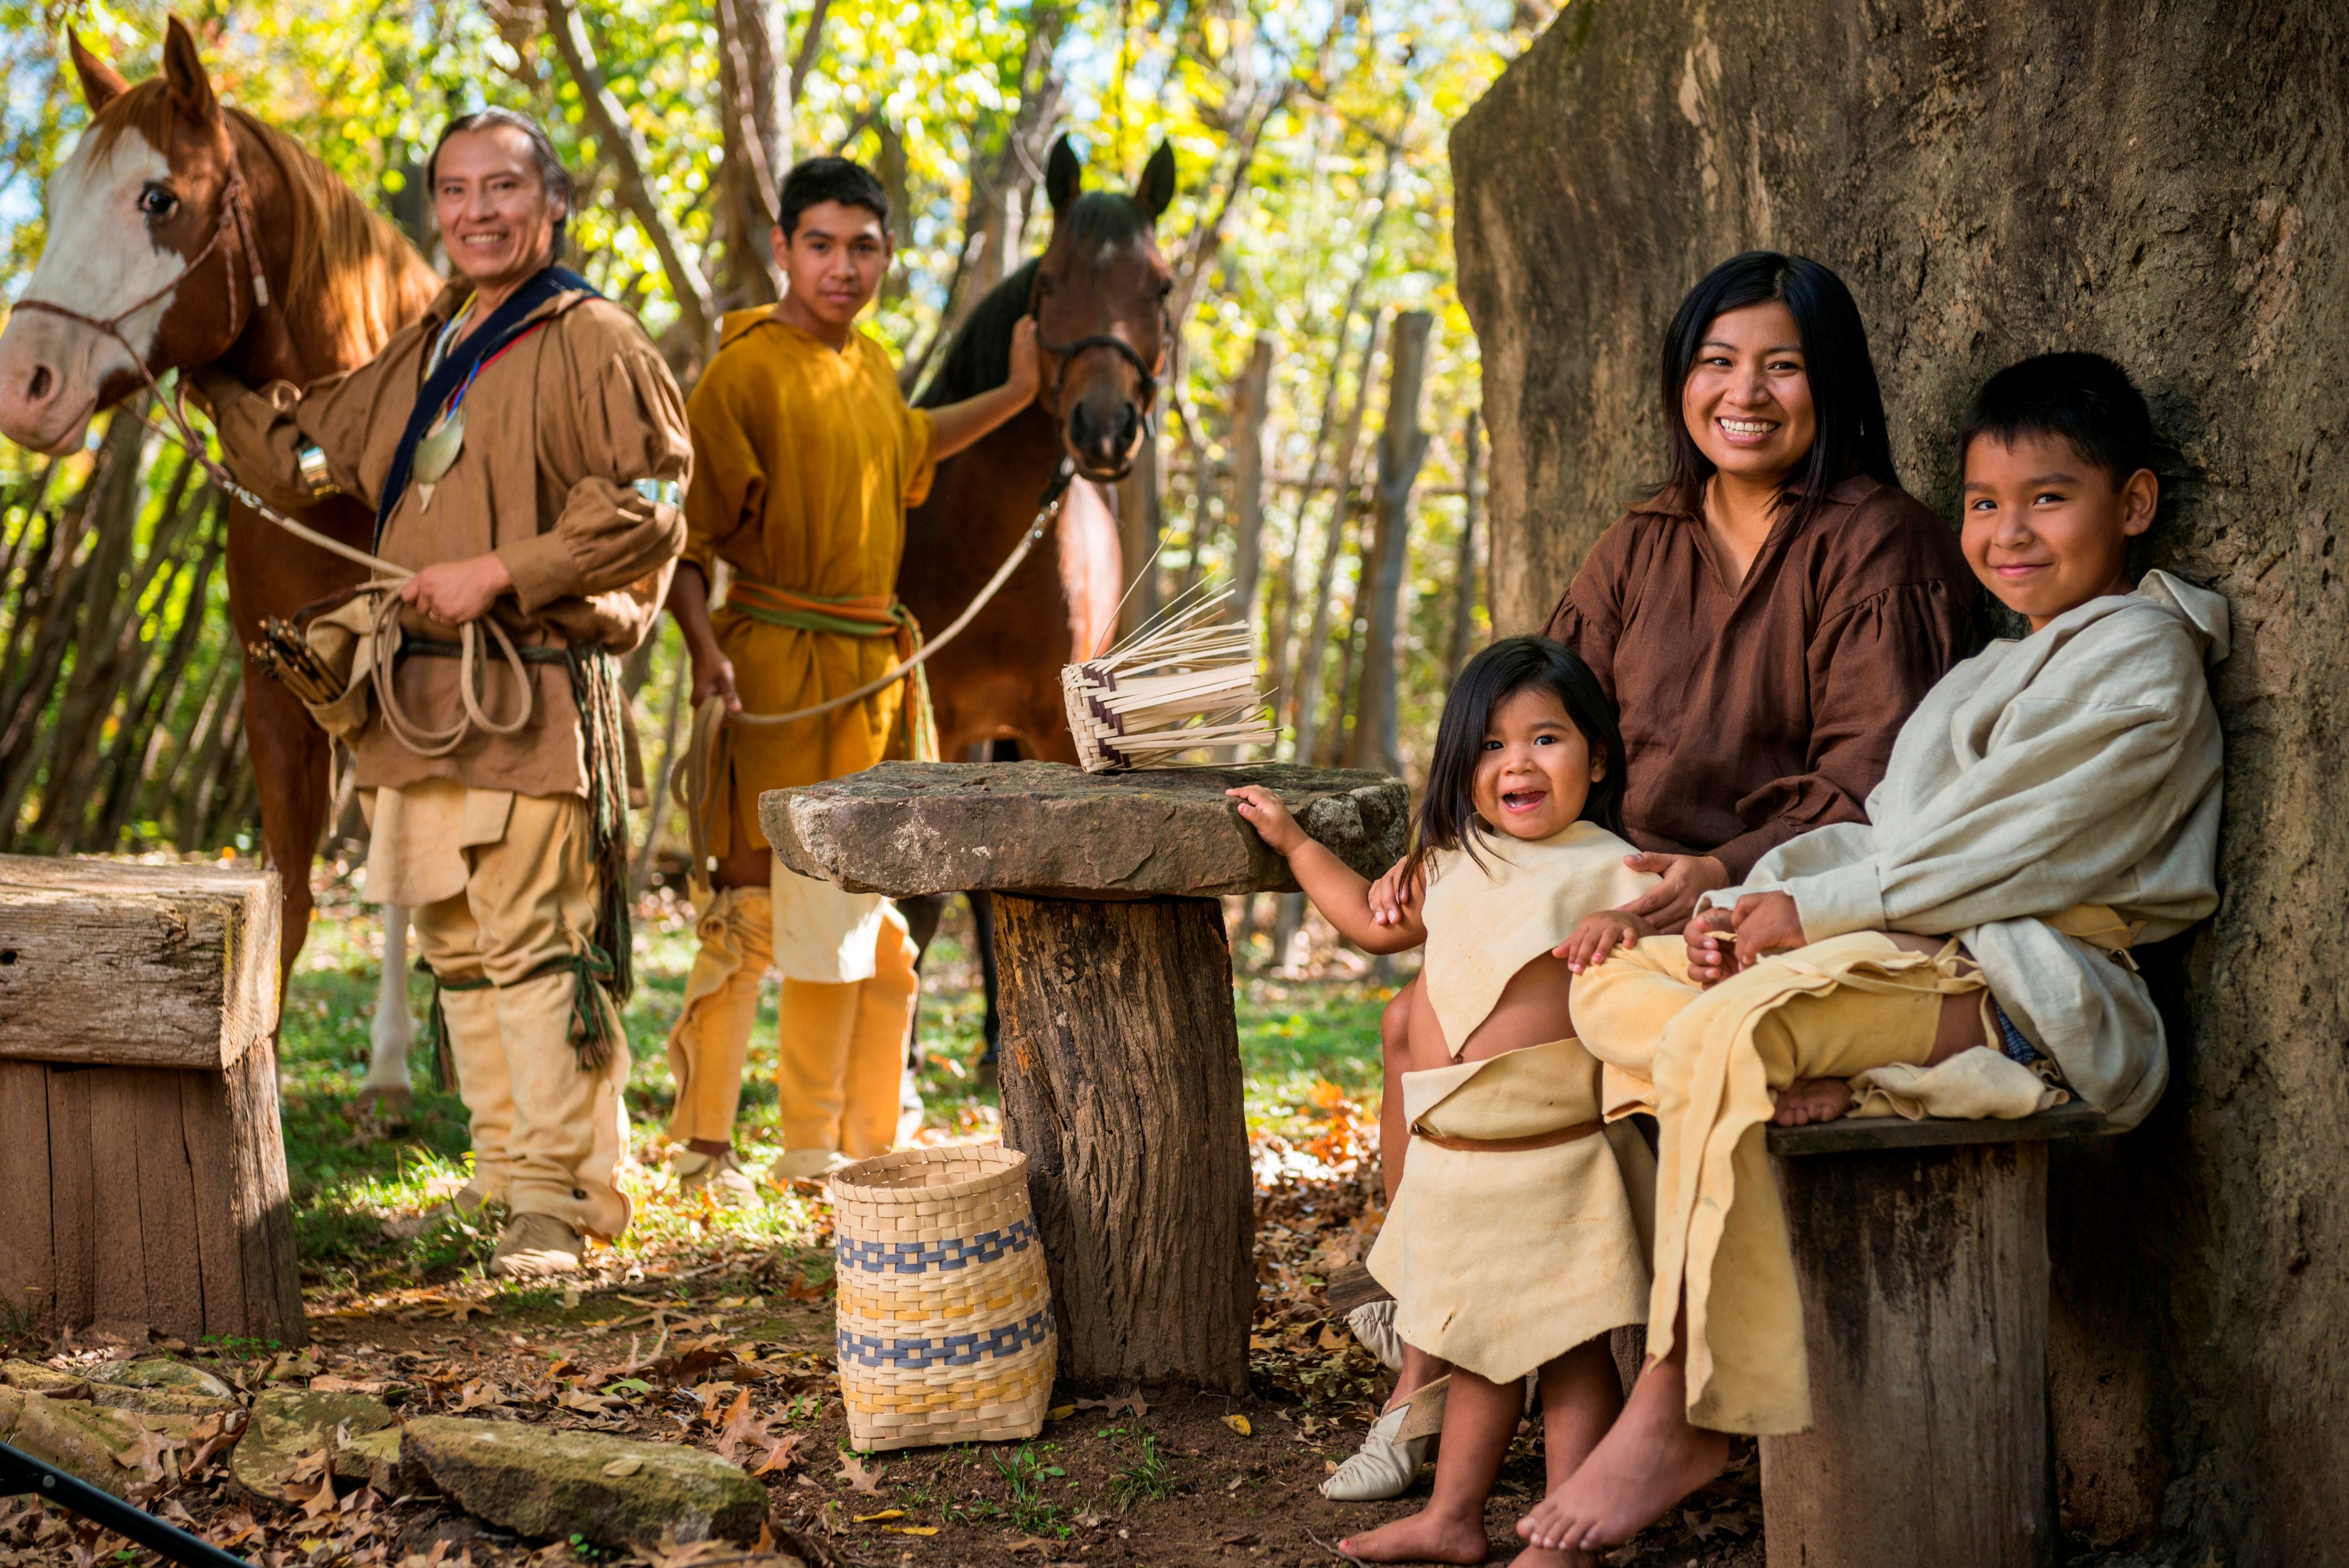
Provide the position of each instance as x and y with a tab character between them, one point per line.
806	457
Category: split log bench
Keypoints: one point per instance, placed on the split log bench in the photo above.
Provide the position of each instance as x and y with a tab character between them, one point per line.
1920	1248
1120	1056
142	1166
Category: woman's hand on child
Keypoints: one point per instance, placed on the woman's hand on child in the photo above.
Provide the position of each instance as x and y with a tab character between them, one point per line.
1668	905
1393	894
1269	818
1599	934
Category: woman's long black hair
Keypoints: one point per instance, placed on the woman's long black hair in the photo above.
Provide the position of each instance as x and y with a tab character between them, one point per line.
1844	393
1447	812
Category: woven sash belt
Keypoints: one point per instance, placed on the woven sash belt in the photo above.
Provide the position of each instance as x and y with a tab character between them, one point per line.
1509	1145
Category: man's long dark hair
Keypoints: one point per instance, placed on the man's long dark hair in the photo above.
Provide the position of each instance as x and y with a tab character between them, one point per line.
1447	812
1844	393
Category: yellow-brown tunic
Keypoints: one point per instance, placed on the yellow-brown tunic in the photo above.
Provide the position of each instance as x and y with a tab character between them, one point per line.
805	459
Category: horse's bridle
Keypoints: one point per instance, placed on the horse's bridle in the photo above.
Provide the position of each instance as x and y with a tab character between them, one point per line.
1069	351
233	213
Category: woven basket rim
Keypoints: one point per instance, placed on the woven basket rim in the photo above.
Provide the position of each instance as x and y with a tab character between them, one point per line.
865	1182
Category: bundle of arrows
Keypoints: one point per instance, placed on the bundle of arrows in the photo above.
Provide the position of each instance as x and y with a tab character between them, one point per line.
1182	683
285	656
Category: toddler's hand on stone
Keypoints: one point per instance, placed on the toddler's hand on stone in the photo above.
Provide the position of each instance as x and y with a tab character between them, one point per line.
1264	812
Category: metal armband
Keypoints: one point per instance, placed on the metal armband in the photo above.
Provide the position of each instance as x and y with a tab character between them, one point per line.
311	463
660	491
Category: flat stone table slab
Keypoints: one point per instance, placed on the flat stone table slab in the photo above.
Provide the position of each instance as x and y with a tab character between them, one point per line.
1046	828
1120	1057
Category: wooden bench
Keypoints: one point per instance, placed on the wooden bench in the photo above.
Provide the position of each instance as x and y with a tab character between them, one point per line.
142	1168
1921	1251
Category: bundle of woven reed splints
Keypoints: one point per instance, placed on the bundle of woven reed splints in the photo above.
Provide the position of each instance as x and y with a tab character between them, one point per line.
1181	683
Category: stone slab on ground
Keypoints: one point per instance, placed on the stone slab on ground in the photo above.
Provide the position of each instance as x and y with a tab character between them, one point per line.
1049	829
102	1446
153	1386
359	1434
612	1491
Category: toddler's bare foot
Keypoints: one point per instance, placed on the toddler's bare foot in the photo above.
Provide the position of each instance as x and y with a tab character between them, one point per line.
1423	1537
1808	1100
1650	1460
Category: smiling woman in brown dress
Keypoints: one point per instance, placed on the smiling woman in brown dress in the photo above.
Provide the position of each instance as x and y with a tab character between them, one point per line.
1764	622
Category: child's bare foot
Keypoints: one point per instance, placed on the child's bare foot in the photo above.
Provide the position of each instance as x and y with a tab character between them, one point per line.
1423	1537
1650	1460
1808	1100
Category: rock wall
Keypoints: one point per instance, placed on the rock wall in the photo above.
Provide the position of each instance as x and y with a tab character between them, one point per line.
2164	184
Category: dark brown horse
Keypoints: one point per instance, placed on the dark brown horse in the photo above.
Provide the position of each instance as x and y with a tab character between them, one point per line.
141	237
1099	295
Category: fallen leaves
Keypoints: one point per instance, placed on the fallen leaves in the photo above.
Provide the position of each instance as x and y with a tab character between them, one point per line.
780	1454
861	1479
885	1513
742	1426
627	1465
1239	1424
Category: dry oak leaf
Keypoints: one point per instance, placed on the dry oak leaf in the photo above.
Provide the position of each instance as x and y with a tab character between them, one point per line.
858	1477
741	1425
780	1455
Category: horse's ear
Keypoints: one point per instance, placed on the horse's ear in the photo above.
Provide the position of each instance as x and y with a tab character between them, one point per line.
183	70
1064	174
1156	191
101	84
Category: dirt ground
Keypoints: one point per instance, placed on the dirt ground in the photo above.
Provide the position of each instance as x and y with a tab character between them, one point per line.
732	1353
714	1327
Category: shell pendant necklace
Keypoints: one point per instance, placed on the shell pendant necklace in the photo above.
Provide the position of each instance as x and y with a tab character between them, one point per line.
437	451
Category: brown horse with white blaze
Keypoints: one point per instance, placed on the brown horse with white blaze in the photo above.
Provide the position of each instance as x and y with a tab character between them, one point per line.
150	268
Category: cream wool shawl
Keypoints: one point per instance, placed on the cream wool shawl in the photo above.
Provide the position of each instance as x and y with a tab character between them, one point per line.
2078	766
1487	921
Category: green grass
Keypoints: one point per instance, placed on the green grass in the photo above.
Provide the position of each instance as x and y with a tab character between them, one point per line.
1310	1050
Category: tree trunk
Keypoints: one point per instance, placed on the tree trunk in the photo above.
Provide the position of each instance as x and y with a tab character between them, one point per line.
1464	561
1403	447
1285	628
1311	656
2162	183
697	309
1251	402
1141	524
1121	1077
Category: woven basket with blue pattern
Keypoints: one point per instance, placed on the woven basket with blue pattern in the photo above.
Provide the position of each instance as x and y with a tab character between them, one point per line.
945	1315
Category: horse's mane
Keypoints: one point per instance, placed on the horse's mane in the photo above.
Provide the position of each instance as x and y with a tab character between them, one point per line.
352	274
978	356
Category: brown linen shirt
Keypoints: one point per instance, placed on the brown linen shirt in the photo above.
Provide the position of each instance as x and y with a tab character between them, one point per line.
1753	714
558	429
